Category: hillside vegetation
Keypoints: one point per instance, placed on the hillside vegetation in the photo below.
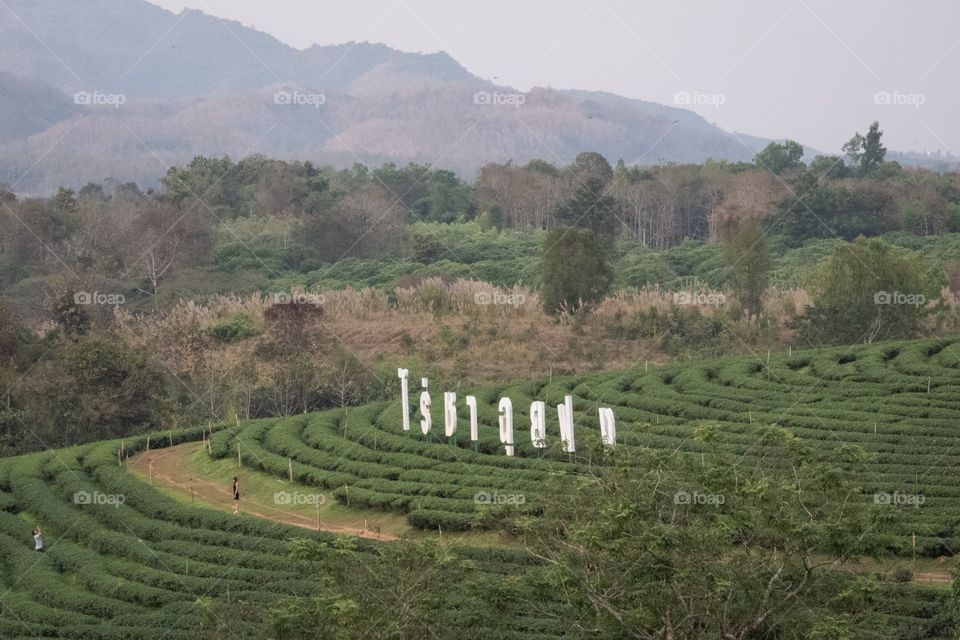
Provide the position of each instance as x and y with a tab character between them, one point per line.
258	287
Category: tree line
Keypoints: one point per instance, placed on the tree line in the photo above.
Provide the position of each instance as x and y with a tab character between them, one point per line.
297	216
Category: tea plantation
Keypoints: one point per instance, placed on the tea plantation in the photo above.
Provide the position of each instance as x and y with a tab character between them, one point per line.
900	402
141	568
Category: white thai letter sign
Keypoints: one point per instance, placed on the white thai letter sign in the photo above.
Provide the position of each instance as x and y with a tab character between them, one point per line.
474	431
426	423
608	427
538	424
565	411
506	424
404	397
449	413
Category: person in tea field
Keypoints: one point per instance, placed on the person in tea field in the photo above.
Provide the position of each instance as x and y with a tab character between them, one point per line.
38	539
236	494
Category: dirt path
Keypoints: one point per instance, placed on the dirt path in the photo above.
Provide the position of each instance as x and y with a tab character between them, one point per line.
164	466
929	577
168	464
929	571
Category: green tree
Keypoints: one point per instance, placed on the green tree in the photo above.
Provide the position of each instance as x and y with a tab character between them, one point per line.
542	166
65	201
447	198
828	168
127	192
332	235
747	256
428	194
778	157
574	269
12	334
665	544
492	218
89	388
409	589
590	164
92	191
590	207
818	209
222	619
212	181
865	153
869	290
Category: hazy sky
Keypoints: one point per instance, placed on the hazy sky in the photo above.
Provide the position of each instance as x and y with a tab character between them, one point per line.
805	69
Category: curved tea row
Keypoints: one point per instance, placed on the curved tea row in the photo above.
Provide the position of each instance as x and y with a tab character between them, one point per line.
900	402
139	567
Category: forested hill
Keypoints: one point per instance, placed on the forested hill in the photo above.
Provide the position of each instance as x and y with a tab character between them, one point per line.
160	88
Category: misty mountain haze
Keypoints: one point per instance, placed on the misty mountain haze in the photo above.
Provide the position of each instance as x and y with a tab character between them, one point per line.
161	88
192	84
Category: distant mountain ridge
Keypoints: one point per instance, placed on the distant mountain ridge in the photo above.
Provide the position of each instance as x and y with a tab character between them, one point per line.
143	51
29	106
192	84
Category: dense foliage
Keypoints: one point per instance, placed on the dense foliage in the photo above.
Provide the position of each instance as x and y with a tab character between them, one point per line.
222	225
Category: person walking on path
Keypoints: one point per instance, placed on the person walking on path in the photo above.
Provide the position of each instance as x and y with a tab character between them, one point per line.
236	494
38	539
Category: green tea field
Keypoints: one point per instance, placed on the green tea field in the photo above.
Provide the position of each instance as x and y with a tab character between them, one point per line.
146	565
